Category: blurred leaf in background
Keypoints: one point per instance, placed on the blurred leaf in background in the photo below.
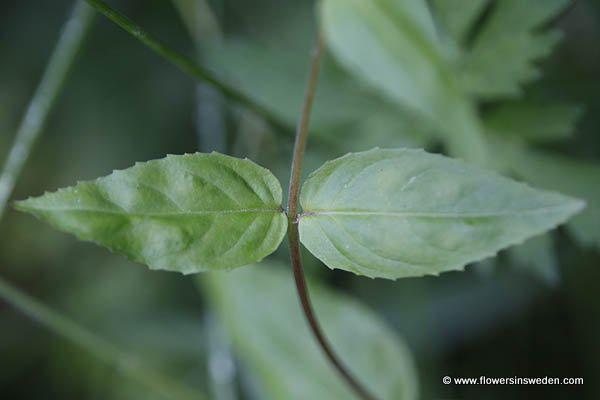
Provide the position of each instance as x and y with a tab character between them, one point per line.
266	327
500	56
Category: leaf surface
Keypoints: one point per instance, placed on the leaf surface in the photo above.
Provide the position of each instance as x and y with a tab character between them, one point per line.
393	47
389	44
458	16
186	213
502	57
263	319
399	213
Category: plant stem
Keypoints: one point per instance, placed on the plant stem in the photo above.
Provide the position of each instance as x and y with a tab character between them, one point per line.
45	95
293	233
183	62
302	130
98	347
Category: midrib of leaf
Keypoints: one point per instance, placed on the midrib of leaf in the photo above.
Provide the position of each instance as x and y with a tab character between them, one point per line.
442	215
156	214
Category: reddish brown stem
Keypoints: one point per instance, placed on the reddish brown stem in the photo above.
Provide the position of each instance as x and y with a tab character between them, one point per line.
293	234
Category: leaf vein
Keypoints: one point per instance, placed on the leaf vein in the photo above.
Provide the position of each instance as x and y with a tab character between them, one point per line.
159	191
158	214
441	215
204	180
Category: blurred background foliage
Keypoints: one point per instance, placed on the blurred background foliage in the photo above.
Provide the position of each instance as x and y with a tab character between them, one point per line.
528	71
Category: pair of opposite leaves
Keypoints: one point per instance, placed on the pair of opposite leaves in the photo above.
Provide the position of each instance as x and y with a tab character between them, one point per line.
386	213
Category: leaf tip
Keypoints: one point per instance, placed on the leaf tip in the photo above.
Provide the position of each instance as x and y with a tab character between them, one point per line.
572	207
29	204
22	205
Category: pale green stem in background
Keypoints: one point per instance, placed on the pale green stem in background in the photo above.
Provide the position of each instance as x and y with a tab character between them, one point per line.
199	20
221	362
45	95
203	27
96	346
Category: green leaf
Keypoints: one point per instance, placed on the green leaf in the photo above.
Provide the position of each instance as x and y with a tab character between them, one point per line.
502	56
262	317
401	213
533	120
186	213
393	47
457	17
